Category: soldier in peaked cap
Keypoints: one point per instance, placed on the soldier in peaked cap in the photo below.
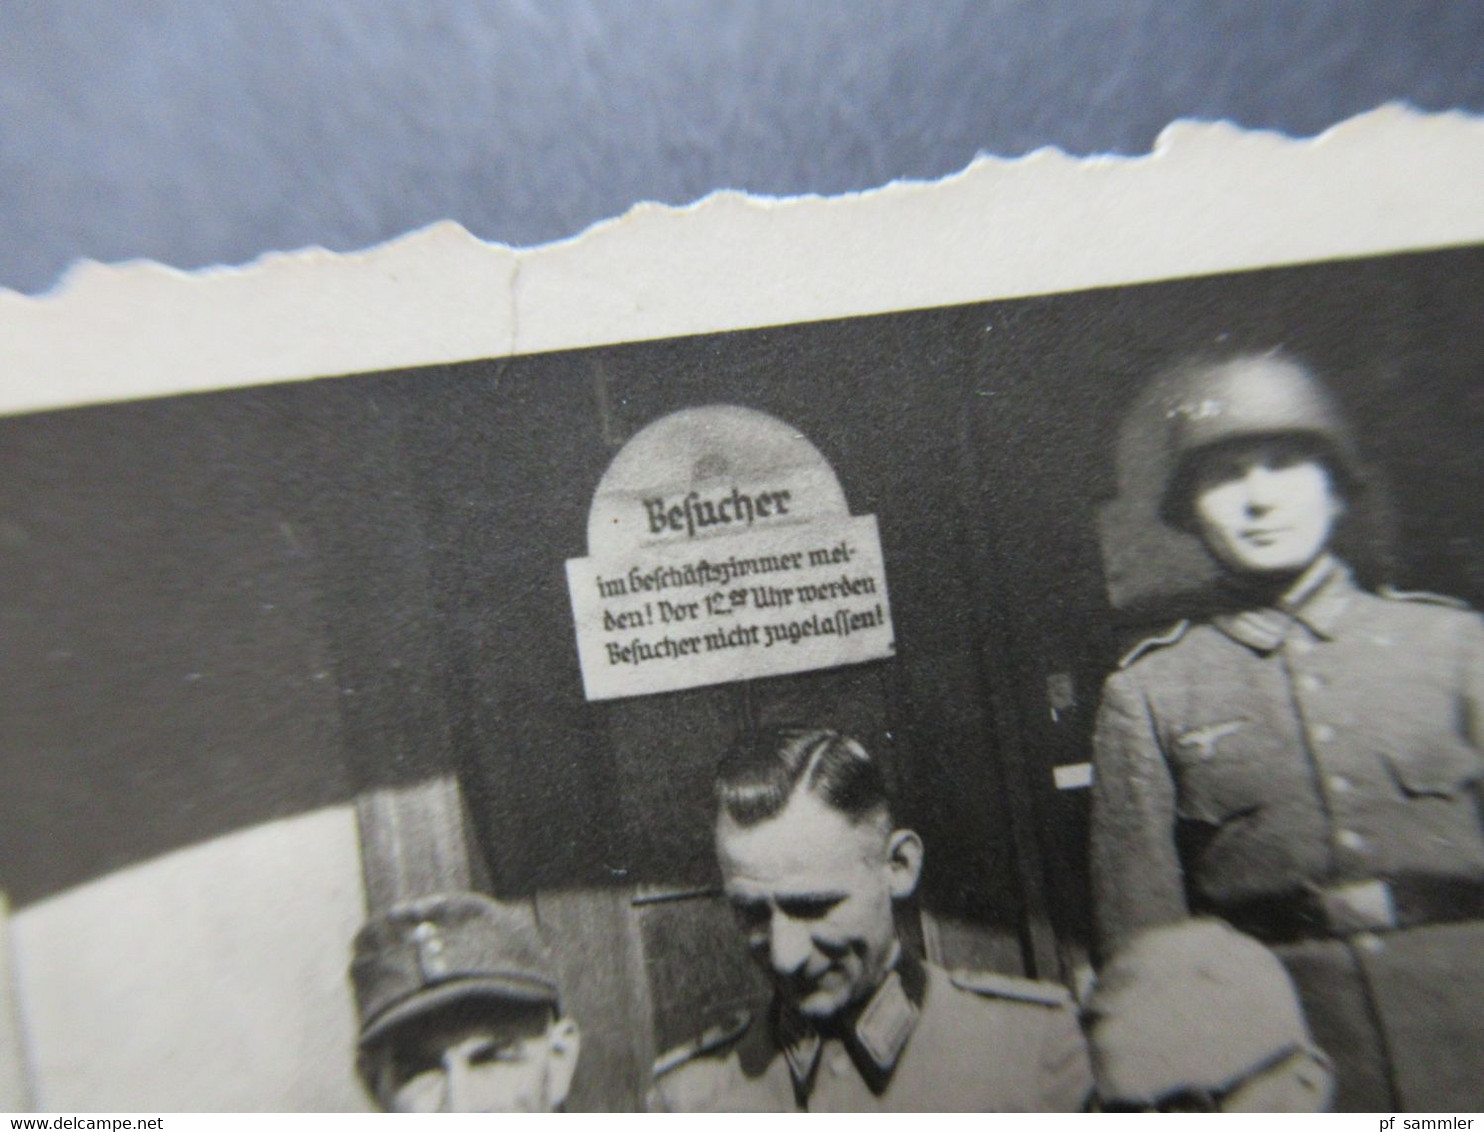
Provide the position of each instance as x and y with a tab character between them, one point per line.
1304	761
1196	1017
459	1010
814	869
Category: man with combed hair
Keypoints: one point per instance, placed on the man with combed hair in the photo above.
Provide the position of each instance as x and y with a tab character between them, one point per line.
815	869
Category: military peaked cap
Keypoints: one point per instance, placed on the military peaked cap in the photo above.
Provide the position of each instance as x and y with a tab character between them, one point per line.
427	953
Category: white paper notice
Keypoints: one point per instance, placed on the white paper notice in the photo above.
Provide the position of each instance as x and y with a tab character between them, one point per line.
761	603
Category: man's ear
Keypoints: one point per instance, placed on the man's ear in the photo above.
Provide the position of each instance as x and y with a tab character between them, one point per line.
904	862
1339	502
563	1041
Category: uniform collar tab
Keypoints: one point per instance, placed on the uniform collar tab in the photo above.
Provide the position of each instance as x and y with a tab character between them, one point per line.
801	1045
1321	596
1261	630
887	1022
875	1037
1317	601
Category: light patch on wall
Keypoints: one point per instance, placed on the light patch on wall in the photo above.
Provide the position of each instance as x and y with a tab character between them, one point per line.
209	979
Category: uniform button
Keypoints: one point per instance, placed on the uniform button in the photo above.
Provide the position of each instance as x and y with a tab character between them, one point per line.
1339	783
1311	683
1351	840
839	1063
1324	733
1370	941
1303	645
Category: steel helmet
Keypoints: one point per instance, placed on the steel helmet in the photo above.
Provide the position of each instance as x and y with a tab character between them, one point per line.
1248	397
1197	1008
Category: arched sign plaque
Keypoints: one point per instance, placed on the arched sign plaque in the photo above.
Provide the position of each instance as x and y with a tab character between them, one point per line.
721	548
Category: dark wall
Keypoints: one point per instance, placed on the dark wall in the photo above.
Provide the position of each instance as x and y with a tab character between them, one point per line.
165	667
509	464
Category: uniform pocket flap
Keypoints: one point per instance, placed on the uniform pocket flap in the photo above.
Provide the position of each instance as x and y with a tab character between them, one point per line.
1441	768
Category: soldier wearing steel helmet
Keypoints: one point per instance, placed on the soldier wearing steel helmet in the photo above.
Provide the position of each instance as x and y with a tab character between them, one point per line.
1303	761
815	870
459	1010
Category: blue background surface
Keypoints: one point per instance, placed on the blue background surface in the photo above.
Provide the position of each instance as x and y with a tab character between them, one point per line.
208	131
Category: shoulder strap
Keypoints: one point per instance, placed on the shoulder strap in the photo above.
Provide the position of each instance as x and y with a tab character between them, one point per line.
1149	644
1391	593
991	984
714	1038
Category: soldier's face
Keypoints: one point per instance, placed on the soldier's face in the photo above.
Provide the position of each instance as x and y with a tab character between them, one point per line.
1267	507
813	895
519	1061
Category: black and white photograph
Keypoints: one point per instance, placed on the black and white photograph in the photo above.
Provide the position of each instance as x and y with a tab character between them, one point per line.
1059	703
740	556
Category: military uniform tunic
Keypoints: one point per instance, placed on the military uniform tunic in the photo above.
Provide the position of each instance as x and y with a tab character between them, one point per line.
1315	765
923	1043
